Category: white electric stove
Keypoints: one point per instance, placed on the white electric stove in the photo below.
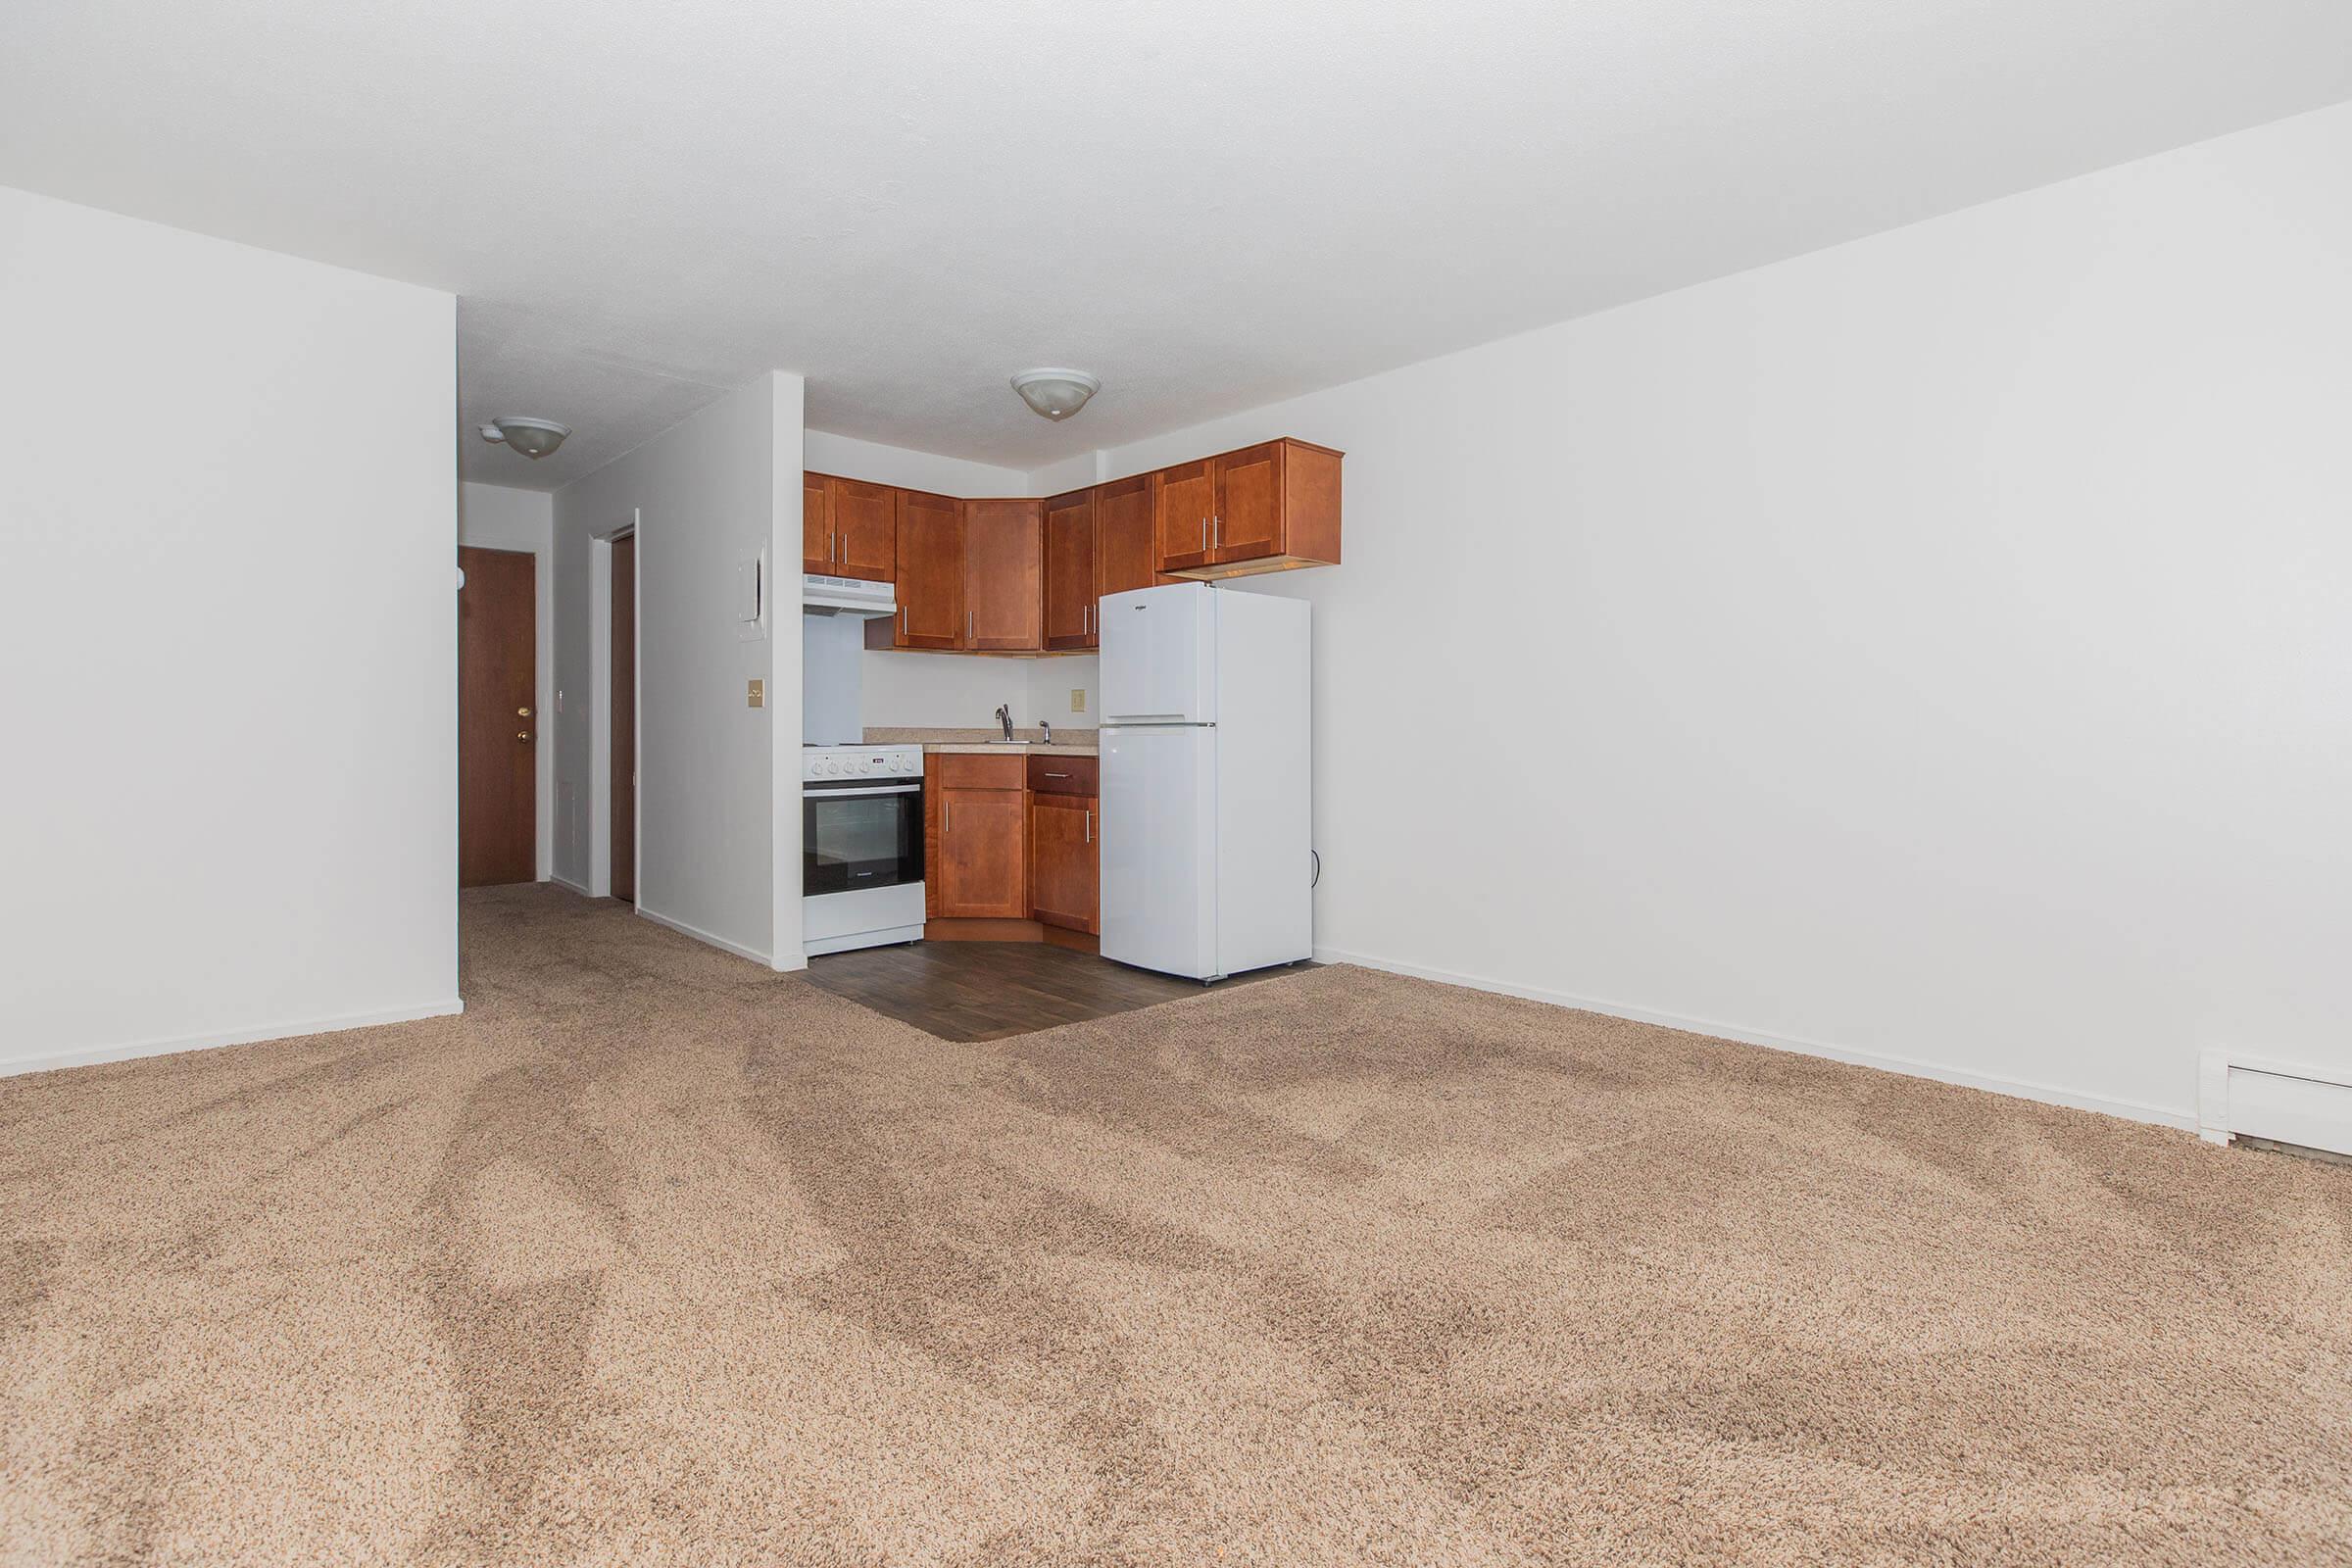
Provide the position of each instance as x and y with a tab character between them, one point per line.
861	847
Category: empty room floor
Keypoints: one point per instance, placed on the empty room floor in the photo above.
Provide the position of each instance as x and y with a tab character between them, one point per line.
655	1256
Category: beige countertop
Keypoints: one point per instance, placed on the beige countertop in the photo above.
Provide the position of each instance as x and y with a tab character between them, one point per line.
984	742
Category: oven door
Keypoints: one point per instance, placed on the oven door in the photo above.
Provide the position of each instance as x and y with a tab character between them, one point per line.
861	833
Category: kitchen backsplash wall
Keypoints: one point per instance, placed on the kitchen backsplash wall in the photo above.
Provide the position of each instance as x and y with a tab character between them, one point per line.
964	691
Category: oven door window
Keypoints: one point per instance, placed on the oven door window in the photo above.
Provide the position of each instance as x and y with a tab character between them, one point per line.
852	842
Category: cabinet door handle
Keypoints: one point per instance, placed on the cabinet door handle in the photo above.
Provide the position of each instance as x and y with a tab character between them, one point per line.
967	627
1205	533
1217	526
943	818
901	623
1058	775
1090	827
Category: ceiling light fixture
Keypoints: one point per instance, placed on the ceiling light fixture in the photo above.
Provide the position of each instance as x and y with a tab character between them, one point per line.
533	438
1056	394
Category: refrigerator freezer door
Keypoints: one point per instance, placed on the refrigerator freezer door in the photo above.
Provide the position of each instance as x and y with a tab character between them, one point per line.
1160	848
1160	656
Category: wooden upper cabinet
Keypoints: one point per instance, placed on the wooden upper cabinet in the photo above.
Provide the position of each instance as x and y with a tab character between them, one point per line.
1248	518
816	524
865	530
849	528
1124	550
1004	573
930	574
1184	499
1028	576
1070	570
1276	507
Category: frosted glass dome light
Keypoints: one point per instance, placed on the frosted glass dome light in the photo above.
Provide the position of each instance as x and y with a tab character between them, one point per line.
533	438
1056	394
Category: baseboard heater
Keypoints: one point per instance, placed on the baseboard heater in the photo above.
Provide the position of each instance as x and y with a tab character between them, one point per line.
2280	1102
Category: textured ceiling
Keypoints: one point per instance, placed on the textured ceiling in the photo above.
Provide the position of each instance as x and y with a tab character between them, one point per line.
1210	205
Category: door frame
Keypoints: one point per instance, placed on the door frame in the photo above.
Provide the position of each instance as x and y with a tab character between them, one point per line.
600	708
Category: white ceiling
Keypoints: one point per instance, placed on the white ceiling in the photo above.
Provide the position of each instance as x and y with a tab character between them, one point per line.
1210	205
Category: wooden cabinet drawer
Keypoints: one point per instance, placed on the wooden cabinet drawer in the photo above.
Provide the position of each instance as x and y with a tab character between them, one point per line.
1062	775
959	771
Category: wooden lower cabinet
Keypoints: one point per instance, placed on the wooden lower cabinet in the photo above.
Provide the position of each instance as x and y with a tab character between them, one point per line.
1065	862
977	863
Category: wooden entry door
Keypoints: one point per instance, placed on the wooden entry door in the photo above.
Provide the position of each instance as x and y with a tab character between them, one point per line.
624	718
498	717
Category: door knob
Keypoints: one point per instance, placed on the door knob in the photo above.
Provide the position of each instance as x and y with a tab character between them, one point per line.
522	713
522	735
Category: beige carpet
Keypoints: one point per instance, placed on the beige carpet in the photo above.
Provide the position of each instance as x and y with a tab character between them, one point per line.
654	1258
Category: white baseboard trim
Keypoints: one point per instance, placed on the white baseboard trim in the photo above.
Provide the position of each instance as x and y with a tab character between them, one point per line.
2022	1088
95	1054
706	937
566	882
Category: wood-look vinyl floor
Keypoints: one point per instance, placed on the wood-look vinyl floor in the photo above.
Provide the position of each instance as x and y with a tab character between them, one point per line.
995	990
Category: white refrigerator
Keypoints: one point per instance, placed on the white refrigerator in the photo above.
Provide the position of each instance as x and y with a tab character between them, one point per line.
1207	795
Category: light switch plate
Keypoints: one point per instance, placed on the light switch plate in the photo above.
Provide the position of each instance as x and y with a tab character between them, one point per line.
756	695
1077	699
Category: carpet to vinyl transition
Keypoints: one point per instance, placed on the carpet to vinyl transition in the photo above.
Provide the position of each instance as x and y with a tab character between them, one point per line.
656	1257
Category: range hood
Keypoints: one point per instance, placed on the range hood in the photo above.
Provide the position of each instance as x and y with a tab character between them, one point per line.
846	595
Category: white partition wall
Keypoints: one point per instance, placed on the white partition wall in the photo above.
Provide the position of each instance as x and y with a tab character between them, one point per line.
229	631
708	499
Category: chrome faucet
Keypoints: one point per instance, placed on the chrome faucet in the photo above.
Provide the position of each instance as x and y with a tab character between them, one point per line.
1049	729
1005	718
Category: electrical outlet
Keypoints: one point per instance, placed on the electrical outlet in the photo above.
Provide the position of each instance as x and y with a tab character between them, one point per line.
1077	699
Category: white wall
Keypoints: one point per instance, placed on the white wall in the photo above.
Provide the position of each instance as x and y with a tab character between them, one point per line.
1051	682
719	781
229	804
1932	649
823	452
496	518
